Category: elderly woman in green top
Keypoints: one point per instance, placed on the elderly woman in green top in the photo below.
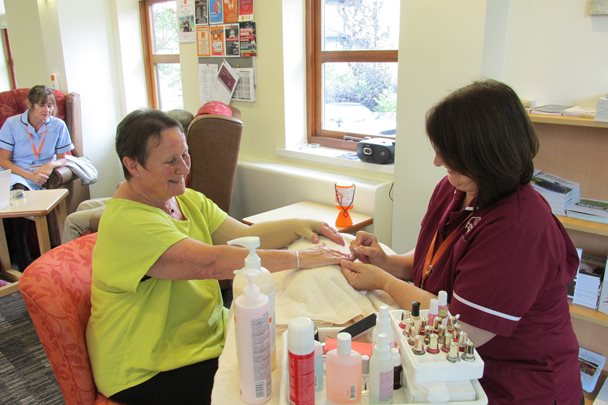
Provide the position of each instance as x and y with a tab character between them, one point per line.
157	320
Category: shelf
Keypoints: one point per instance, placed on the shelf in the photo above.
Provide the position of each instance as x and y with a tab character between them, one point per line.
581	225
575	121
588	315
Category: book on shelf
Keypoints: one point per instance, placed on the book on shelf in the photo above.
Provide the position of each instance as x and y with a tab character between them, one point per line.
591	365
550	109
572	285
602	302
601	109
589	280
579	111
560	193
589	209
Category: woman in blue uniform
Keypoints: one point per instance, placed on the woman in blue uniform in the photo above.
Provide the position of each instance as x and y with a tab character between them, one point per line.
32	144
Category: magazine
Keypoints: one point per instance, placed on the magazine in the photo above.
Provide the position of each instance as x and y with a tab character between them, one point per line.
592	207
591	365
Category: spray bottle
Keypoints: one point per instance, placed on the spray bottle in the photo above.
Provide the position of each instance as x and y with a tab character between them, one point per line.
251	317
383	325
264	281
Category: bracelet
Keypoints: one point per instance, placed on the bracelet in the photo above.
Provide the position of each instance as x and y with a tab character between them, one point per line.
297	260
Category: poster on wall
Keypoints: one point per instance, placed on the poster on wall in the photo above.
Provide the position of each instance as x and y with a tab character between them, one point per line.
246	10
231	33
202	40
216	13
201	12
231	11
217	40
185	19
247	38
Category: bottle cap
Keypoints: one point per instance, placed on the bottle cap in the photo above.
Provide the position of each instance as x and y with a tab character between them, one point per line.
396	357
415	308
434	306
300	336
344	343
252	261
443	298
252	291
365	364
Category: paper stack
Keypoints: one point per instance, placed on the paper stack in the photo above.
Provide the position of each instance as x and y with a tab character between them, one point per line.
579	111
601	110
550	109
589	280
590	210
591	365
559	192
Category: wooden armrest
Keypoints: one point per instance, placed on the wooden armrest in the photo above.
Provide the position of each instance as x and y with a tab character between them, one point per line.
60	176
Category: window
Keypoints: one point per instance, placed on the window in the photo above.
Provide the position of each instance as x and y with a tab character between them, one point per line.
161	48
351	70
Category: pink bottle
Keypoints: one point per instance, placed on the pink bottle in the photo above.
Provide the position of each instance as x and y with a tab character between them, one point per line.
343	373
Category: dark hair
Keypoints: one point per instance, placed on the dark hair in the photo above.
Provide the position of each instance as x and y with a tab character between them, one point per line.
483	132
40	94
184	117
134	132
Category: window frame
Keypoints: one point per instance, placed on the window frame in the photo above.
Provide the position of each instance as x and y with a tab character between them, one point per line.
315	58
152	59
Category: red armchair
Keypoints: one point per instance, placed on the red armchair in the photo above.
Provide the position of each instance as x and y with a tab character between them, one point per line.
56	289
13	102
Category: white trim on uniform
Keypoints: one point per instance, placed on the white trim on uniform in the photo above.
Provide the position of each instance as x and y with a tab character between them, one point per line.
484	309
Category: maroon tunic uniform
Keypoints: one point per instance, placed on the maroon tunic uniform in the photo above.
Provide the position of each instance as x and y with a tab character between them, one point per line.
507	274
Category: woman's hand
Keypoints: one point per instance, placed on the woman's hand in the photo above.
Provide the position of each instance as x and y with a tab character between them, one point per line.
39	178
46	169
320	255
363	276
311	230
366	248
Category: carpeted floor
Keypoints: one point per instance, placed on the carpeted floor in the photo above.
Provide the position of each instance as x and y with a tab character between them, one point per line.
25	374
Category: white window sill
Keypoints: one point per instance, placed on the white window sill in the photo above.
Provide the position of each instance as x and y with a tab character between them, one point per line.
334	157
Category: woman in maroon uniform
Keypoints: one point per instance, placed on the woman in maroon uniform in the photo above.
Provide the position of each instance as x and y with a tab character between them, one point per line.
489	240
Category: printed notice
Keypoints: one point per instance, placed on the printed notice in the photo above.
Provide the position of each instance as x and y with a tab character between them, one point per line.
231	14
202	40
232	40
217	40
201	12
216	12
185	18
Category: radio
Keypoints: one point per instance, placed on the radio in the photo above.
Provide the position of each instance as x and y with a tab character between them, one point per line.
376	150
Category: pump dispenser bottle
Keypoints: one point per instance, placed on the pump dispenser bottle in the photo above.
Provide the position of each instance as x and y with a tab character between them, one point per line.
253	342
264	281
383	325
343	373
381	373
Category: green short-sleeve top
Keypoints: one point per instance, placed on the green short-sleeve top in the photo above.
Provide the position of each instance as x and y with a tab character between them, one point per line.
141	326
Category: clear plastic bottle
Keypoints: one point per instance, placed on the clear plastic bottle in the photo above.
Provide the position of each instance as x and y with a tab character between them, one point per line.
383	325
301	361
343	373
253	343
264	281
381	373
319	374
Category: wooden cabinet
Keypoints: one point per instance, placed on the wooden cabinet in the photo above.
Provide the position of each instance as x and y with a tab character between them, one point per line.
577	149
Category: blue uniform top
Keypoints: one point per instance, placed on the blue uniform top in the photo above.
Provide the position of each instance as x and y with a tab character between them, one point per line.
19	136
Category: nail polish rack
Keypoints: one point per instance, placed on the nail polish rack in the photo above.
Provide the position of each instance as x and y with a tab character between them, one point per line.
465	364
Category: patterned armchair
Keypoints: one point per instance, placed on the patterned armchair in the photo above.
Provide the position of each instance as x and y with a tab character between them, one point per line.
13	102
56	289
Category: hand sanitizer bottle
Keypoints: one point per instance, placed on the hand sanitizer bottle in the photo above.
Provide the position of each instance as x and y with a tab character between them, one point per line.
383	325
253	343
381	373
264	281
343	373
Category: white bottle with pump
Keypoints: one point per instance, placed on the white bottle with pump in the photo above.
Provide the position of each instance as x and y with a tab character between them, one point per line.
264	281
251	316
381	373
383	325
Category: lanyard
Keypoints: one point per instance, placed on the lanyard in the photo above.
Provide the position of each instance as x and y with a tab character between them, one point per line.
433	256
42	139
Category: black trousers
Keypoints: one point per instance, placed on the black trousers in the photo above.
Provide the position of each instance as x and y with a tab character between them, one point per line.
186	385
16	235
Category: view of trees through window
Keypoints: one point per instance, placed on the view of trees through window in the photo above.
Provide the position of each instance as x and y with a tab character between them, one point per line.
359	88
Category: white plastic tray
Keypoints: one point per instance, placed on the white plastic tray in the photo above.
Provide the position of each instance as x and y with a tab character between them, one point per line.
399	397
433	367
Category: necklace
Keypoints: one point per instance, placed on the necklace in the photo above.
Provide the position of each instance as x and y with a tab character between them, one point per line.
169	207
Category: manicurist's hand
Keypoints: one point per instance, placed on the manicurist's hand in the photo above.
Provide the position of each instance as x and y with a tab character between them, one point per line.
320	255
366	248
364	276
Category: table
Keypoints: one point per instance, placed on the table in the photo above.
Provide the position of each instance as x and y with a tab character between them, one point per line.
37	205
311	210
